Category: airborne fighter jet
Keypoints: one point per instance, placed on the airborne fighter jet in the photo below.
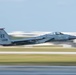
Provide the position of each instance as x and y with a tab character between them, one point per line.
56	38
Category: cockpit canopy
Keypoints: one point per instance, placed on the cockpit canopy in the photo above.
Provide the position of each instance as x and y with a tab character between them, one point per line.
57	33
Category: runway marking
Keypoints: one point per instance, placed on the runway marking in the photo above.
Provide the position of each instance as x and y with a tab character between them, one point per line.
34	73
9	66
37	52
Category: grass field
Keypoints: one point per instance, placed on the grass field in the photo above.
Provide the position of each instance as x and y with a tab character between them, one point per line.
50	49
38	59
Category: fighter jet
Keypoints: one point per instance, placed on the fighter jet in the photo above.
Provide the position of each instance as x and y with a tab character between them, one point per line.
56	38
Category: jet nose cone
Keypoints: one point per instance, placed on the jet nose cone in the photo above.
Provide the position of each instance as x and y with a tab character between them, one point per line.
72	37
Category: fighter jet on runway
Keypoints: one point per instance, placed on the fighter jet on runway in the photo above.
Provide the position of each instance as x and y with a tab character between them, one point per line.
56	38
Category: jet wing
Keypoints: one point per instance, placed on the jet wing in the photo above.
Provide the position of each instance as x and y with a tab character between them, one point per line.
26	41
34	40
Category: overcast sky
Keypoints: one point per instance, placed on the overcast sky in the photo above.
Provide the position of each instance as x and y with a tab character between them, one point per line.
38	15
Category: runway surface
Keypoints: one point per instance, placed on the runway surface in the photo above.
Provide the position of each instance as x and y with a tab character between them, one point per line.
37	52
37	70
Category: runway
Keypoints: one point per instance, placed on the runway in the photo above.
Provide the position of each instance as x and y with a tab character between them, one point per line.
37	52
37	70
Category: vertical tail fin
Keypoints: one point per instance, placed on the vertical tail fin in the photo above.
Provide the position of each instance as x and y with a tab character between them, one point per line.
4	38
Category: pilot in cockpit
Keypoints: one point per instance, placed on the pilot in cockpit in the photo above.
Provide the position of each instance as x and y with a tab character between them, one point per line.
58	33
